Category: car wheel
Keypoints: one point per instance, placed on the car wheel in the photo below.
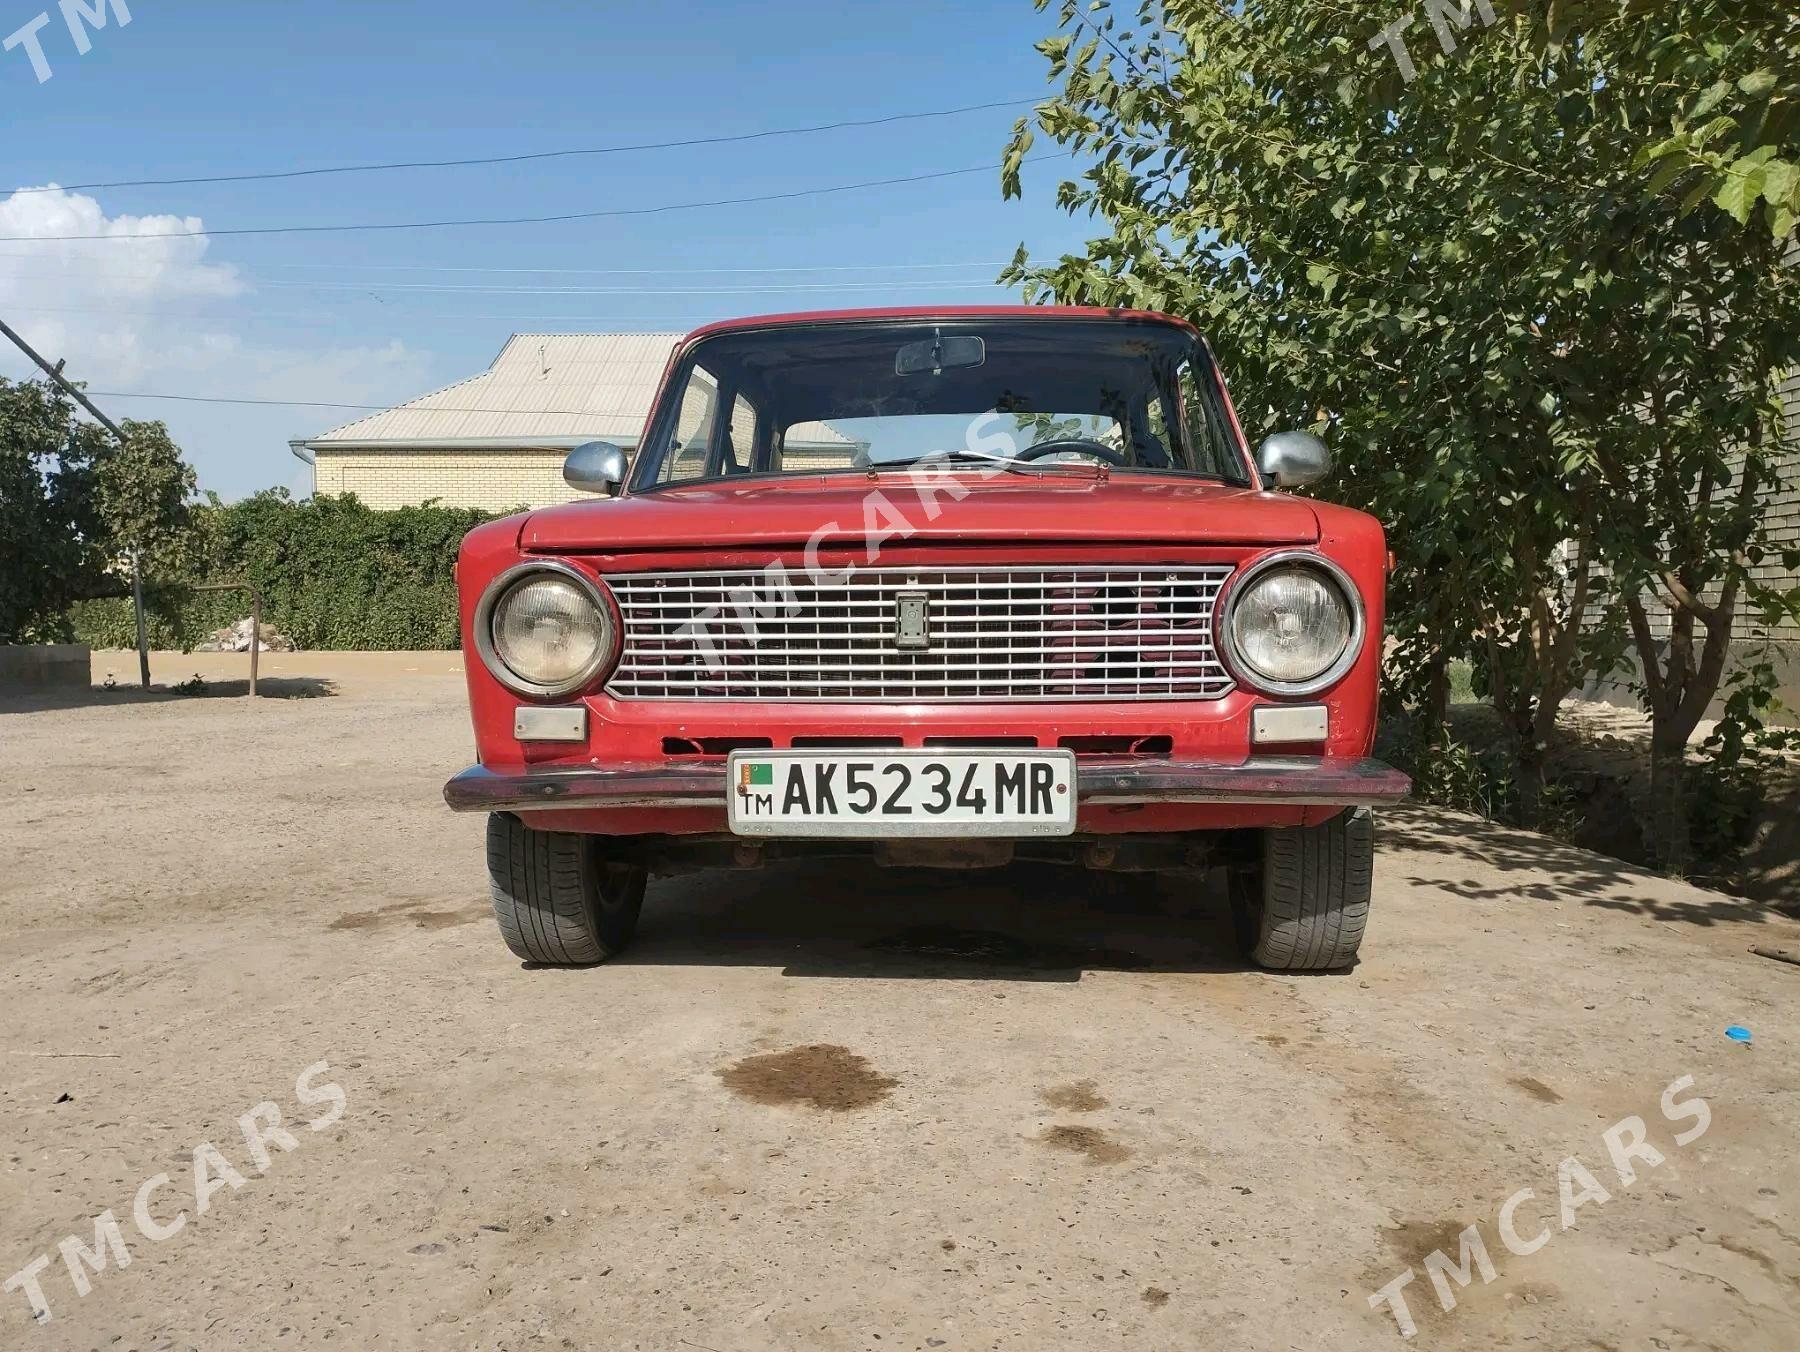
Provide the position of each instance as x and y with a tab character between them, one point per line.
1302	906
557	899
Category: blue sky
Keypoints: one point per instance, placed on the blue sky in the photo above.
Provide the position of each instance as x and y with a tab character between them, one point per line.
217	87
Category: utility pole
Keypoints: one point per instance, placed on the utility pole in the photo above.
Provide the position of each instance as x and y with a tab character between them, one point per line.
137	573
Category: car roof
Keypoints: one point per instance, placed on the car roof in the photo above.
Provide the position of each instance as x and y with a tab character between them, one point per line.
805	317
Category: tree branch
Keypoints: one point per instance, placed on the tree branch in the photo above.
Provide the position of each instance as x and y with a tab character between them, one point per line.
1683	598
1648	659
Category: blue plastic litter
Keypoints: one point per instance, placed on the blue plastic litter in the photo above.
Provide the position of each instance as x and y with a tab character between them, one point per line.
1738	1033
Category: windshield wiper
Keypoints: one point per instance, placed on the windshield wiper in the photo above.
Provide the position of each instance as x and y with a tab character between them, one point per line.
1007	462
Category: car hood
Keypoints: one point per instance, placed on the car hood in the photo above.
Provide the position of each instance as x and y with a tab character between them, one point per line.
1041	509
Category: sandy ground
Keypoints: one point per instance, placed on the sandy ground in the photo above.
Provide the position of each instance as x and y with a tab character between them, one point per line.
829	1108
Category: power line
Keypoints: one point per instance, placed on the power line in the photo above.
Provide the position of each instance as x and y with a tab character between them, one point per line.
577	272
354	408
629	272
398	314
338	319
524	220
426	288
735	138
406	288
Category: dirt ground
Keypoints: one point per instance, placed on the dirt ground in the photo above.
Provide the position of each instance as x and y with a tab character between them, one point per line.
830	1108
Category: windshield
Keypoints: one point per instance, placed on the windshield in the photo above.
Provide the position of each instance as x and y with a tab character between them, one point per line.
1044	395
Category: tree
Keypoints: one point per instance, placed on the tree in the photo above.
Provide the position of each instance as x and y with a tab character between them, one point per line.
143	489
1454	265
1731	137
45	505
72	502
1686	482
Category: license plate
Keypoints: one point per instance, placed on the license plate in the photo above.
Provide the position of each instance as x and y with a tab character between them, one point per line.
902	793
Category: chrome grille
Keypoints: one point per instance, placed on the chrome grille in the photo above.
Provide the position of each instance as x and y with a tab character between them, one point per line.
1043	634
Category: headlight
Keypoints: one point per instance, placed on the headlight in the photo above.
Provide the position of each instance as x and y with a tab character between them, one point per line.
1294	625
544	630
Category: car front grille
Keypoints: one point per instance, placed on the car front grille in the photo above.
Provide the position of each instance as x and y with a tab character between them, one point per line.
990	634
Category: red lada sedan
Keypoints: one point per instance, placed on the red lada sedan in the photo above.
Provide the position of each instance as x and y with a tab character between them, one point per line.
932	587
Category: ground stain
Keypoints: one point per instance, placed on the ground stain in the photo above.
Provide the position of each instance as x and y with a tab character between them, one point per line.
1413	1241
1537	1089
1081	1096
1155	1296
390	917
1089	1141
833	1078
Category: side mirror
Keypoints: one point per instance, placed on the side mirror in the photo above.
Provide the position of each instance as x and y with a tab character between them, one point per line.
596	467
1293	459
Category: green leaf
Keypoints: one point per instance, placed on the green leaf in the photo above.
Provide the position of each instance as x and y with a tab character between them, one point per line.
1781	181
1665	177
1758	83
1711	99
1739	190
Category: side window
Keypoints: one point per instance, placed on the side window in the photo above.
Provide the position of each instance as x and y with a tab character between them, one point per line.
1171	430
740	446
1207	431
686	458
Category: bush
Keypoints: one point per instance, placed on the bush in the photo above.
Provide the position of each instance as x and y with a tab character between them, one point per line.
1450	773
333	573
1728	787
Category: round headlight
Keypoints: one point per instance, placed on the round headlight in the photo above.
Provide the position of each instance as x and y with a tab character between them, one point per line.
1292	628
545	634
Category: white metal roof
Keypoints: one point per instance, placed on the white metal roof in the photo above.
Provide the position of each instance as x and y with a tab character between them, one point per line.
548	387
544	389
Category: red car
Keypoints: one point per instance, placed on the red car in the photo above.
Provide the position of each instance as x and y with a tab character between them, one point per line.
937	587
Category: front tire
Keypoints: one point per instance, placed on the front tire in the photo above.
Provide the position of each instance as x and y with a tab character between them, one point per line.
1303	906
556	898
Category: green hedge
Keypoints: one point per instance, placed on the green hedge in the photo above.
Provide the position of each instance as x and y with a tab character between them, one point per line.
334	574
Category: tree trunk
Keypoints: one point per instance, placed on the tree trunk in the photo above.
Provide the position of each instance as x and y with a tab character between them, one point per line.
1436	710
1669	838
1534	780
1518	707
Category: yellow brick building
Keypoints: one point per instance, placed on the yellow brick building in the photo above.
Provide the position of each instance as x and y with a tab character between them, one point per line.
497	440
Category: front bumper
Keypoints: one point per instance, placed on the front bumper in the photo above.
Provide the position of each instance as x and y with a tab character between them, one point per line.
1295	781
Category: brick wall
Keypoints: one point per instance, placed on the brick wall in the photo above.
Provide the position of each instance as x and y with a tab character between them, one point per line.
496	481
1781	506
1784	505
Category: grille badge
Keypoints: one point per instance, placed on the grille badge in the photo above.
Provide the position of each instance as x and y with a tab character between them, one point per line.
912	622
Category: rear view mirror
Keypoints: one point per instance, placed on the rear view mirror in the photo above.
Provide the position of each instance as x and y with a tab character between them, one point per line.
1293	459
596	467
939	354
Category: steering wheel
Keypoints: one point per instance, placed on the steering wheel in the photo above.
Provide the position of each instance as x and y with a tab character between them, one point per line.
1074	446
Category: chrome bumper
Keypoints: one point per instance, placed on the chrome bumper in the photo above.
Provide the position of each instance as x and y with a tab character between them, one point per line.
1298	781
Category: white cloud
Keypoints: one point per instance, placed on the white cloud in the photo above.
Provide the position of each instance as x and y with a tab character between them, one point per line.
154	315
85	299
